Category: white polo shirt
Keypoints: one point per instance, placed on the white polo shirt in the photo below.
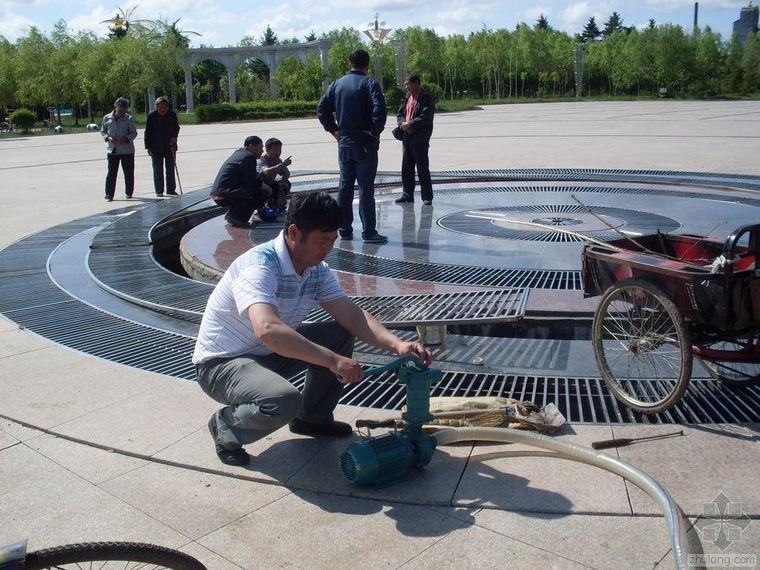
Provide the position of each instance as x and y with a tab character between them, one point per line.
264	274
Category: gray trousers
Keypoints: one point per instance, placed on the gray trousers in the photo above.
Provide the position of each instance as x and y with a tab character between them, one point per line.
257	395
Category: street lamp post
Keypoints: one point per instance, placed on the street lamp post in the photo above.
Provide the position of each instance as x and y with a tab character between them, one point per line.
579	55
377	35
401	51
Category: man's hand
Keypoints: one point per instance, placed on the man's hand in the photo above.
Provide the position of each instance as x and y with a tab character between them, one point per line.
336	135
347	370
418	349
406	127
287	161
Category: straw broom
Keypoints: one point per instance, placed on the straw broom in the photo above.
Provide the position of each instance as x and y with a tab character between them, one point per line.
469	418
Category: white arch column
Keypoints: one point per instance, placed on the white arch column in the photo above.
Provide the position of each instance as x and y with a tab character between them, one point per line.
189	90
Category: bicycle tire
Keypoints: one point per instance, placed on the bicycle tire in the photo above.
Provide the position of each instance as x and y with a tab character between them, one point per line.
74	555
642	346
732	373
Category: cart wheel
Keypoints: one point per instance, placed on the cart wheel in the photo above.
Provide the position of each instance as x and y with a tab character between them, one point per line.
642	346
739	374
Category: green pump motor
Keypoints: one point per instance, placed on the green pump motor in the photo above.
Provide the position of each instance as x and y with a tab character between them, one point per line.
385	460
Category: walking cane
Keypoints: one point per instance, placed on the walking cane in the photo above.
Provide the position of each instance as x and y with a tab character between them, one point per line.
176	170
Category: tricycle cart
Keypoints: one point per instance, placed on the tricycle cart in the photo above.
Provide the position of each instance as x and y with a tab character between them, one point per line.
667	298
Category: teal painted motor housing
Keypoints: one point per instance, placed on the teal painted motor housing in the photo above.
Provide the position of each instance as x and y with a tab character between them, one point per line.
386	459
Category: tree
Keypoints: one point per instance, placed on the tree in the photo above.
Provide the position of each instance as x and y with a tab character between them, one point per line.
542	23
426	53
614	24
8	85
750	63
173	34
590	31
36	73
121	22
344	42
269	38
300	81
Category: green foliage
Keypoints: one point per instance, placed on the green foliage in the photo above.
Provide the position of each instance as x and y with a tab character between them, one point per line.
23	119
256	111
299	81
527	62
435	90
394	95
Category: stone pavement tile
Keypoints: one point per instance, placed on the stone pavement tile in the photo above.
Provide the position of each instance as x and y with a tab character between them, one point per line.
55	385
13	432
594	542
476	547
432	485
160	414
518	477
51	505
317	530
210	559
696	467
729	535
190	501
92	464
15	341
275	458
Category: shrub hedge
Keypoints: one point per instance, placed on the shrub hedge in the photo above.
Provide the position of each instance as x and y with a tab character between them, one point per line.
257	110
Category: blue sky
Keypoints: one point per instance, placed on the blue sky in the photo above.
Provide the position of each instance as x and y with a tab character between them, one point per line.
225	22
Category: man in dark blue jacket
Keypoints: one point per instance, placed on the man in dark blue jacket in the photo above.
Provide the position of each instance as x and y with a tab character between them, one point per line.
353	111
415	119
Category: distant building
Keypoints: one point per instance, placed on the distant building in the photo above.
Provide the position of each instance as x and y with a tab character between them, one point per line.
747	22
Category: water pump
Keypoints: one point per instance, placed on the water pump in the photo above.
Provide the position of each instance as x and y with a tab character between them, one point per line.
385	460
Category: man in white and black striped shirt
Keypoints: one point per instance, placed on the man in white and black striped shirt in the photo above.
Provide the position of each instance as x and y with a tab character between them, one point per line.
252	339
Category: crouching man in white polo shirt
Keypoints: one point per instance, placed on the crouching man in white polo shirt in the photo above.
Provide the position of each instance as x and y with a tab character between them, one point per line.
252	339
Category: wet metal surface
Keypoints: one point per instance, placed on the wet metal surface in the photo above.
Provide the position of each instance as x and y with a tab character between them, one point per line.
482	231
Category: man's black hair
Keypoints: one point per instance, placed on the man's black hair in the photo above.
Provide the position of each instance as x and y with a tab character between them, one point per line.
311	211
253	139
414	78
272	142
359	59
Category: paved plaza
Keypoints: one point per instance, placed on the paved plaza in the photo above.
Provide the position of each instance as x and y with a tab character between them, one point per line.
91	450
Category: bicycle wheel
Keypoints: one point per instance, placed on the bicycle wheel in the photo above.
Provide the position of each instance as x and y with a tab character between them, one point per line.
104	555
739	374
642	346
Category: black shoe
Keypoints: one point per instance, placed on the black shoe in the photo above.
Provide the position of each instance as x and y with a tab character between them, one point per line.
129	196
236	457
346	236
109	198
172	194
160	195
243	225
427	202
333	429
374	238
405	200
239	224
